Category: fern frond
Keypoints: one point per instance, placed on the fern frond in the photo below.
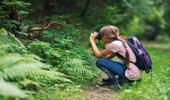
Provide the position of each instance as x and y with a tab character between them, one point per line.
10	43
47	76
9	60
7	89
33	71
76	69
19	70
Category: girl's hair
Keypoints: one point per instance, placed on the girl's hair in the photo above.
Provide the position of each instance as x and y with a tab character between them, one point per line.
110	32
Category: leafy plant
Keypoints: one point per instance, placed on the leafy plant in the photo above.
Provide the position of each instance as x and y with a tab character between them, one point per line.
45	51
10	14
77	70
156	86
7	89
66	54
16	67
9	43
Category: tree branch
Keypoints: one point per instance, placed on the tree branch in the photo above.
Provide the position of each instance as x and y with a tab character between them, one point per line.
43	26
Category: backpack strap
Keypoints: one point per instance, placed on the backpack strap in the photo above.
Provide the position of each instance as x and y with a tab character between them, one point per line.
127	53
126	58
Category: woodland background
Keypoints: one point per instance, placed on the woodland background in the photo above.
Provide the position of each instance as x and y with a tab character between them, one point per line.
44	47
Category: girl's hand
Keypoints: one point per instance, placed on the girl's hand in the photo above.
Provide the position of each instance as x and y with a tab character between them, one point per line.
93	36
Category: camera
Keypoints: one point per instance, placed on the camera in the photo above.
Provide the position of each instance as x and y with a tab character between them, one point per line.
98	37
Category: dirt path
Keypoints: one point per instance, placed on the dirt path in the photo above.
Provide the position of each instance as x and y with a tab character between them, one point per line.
157	45
100	93
96	92
107	93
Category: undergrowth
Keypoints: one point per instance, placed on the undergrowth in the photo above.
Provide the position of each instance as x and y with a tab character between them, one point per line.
154	86
39	69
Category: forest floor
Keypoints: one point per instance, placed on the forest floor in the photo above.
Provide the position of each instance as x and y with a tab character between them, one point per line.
158	45
97	92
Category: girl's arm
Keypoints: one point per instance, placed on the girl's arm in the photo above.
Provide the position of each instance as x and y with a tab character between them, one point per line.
95	49
110	56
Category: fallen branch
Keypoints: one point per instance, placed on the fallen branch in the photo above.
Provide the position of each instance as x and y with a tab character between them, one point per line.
43	26
31	30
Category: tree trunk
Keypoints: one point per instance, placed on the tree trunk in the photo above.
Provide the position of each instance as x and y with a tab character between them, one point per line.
13	15
47	8
84	11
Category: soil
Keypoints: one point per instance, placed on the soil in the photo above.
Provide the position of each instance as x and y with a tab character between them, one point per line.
98	92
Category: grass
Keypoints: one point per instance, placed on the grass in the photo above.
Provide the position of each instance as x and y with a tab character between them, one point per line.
152	87
73	92
155	86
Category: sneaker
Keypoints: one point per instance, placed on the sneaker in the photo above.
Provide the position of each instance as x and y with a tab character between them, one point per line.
108	80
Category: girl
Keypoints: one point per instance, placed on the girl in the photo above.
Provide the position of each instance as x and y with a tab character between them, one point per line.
115	45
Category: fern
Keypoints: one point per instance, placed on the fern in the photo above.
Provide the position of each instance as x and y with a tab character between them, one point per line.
8	60
10	43
16	67
47	76
7	89
77	69
19	70
19	66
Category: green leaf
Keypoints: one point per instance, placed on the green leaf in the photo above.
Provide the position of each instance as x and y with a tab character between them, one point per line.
7	89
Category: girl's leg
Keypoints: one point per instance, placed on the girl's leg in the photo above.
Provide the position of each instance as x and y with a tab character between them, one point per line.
112	68
100	63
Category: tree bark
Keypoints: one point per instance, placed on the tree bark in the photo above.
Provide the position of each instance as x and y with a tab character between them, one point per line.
40	28
86	6
46	9
13	15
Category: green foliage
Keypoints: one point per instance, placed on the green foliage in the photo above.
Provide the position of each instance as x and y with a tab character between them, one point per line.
77	70
17	3
9	43
163	39
16	67
155	86
166	16
134	27
45	51
72	62
63	50
21	68
63	56
47	76
10	12
71	92
7	89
